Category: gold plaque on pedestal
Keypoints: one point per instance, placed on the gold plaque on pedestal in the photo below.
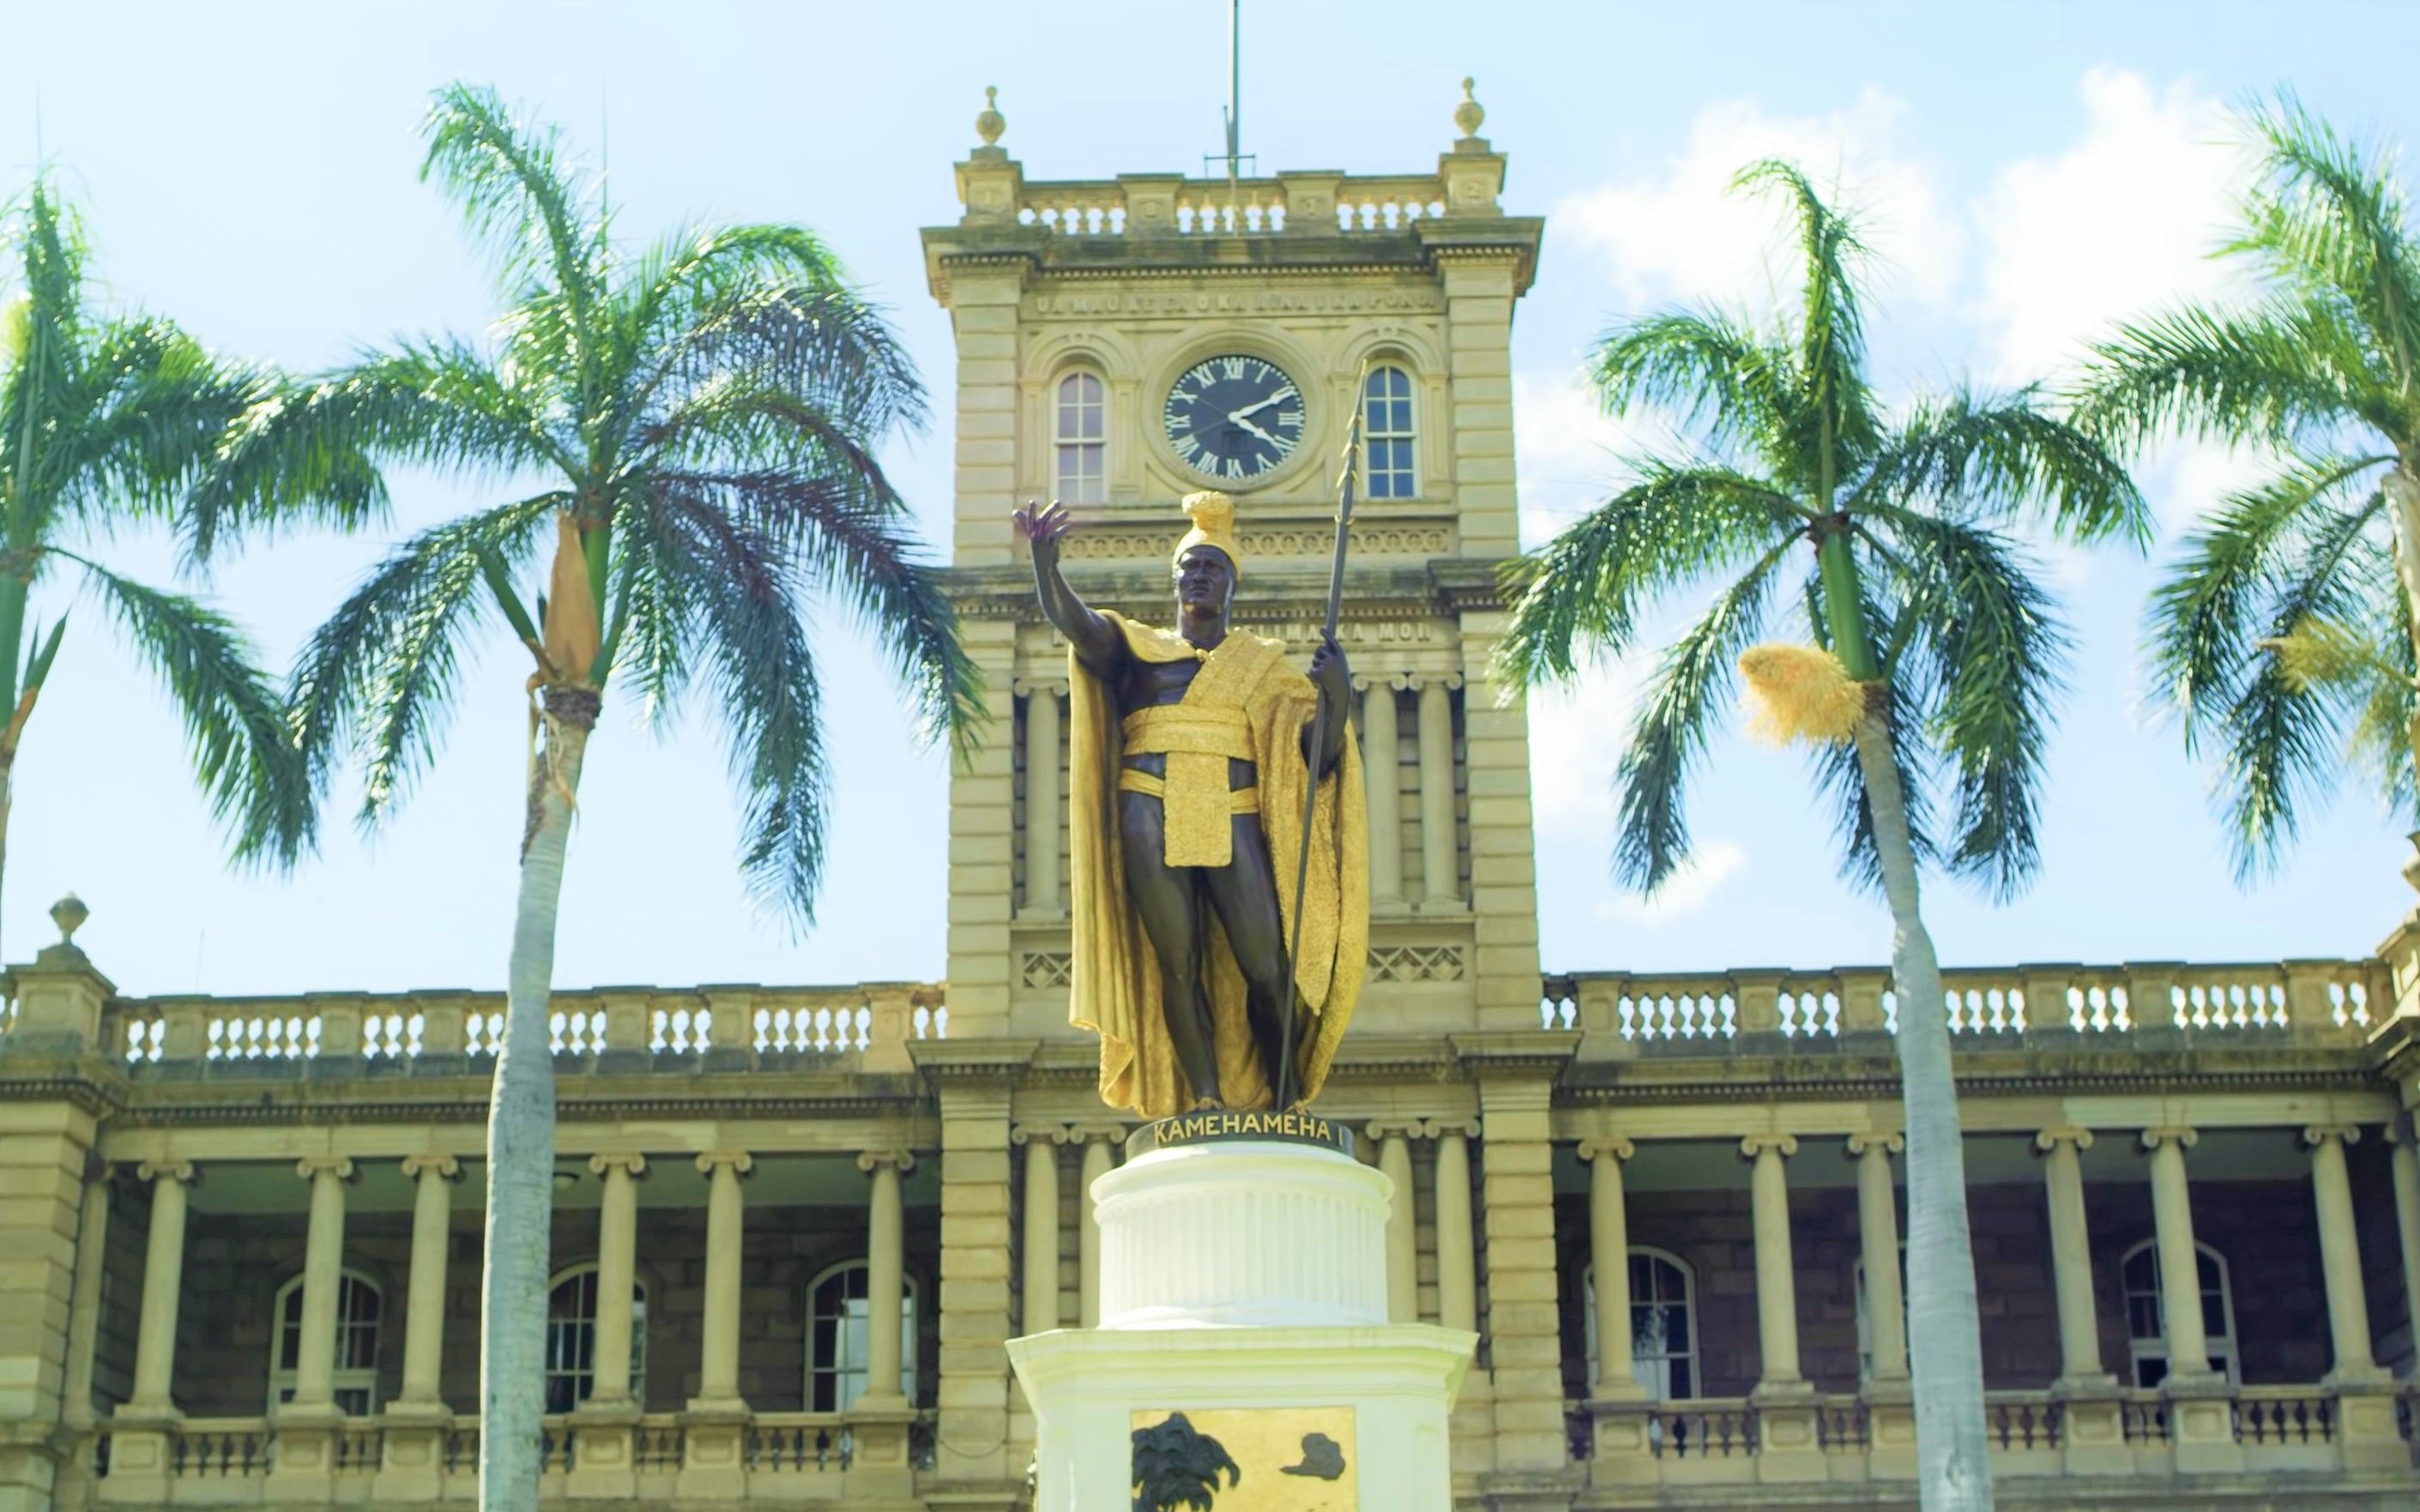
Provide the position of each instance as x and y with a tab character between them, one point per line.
1246	1459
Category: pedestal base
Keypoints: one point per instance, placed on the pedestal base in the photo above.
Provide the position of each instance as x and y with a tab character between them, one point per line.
1335	1419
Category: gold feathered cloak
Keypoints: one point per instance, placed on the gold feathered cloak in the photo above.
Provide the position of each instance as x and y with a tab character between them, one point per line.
1115	977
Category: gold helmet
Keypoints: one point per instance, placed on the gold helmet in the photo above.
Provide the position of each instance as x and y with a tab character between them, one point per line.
1213	525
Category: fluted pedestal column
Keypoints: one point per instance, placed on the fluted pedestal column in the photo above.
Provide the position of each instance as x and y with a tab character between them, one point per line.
712	1459
1393	1137
1041	1226
880	1419
2094	1436
1384	793
2201	1416
1097	1164
1042	803
1440	850
412	1447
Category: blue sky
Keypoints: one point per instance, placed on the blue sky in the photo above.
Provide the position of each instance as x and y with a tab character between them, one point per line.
2031	171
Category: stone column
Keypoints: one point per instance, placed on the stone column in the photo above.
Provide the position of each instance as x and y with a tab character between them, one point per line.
1041	802
2404	1174
1440	888
2179	1260
1878	1245
1088	1236
885	1276
323	1266
1041	1257
1393	1137
617	1247
1776	1278
2340	1254
164	1279
2070	1253
1457	1271
718	1377
84	1312
1378	746
2201	1419
1609	1255
424	1309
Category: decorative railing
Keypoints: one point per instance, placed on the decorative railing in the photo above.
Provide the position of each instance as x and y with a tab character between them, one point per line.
782	1446
1740	1441
1330	203
753	1022
2308	999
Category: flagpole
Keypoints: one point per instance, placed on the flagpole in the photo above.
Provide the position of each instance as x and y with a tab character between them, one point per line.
1319	735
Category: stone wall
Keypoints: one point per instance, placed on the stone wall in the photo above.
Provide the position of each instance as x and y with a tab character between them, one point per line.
235	1265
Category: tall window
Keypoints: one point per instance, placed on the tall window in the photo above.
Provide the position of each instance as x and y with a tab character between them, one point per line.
2146	1313
571	1338
1663	1323
1387	434
1081	430
839	1335
360	1308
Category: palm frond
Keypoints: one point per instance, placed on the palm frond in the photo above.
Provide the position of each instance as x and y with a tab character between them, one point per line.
1997	653
858	542
1708	371
2335	225
2212	604
1831	328
527	205
380	673
1585	587
1692	686
749	627
242	752
824	351
2281	373
1996	454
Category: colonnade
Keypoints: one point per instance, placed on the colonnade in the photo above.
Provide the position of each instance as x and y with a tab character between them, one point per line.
1040	1241
1438	873
719	1377
2079	1330
1451	1208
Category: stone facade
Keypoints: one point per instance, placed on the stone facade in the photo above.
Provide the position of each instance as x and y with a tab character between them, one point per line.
734	1153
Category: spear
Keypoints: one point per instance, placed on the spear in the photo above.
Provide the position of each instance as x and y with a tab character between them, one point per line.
1319	733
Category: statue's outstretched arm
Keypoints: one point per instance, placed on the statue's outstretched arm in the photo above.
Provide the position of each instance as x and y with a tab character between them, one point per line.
1098	645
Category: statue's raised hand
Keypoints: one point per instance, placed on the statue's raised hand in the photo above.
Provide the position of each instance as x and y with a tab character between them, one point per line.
1042	527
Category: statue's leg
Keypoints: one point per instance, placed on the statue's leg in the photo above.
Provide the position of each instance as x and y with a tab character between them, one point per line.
1245	893
1169	903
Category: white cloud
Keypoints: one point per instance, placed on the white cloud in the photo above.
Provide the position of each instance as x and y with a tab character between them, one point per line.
1575	738
2121	224
1569	452
1691	886
1685	233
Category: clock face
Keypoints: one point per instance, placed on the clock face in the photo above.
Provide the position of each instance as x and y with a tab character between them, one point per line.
1234	419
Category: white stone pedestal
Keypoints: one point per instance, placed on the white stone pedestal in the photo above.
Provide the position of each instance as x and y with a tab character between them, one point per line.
1243	1288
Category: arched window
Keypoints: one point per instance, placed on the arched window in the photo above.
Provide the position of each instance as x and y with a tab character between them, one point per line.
1080	429
1865	1323
360	1308
571	1338
839	1337
1387	434
1663	1323
2146	1317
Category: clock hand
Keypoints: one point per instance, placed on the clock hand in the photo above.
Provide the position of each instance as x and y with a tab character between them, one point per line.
1238	419
1256	409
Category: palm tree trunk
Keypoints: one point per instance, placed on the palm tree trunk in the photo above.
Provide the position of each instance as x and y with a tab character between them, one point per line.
520	1131
1945	1339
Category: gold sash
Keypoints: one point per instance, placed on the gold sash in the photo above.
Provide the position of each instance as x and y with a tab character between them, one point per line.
1198	739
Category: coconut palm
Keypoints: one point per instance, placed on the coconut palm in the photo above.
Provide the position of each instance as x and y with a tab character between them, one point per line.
2322	366
685	440
1936	654
104	420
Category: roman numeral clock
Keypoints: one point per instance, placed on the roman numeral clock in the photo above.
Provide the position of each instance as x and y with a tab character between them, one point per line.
1234	420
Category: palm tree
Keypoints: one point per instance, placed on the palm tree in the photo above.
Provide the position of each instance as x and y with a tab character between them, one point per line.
1936	652
2322	366
104	420
690	431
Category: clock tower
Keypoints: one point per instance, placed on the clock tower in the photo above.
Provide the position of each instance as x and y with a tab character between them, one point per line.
1122	343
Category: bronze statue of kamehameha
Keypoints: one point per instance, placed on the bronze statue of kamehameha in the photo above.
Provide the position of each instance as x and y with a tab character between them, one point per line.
1191	770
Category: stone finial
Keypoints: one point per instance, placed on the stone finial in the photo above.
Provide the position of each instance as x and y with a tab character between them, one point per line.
2411	867
69	913
991	122
1470	115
